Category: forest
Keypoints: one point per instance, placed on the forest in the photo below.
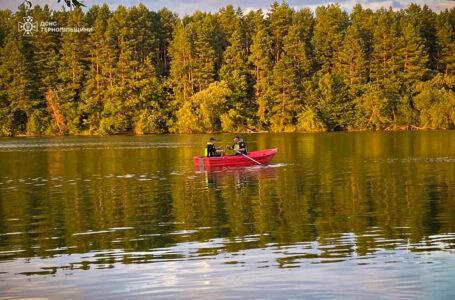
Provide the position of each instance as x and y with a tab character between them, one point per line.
280	70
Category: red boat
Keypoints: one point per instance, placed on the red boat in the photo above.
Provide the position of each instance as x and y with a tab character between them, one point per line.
263	157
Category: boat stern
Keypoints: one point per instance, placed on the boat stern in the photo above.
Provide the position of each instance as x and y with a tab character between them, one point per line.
198	162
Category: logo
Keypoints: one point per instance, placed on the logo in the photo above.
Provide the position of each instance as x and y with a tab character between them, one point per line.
29	3
28	26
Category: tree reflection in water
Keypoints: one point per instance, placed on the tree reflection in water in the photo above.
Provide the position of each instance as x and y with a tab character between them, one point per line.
138	199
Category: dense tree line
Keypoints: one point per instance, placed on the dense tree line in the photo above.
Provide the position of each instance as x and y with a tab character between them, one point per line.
141	71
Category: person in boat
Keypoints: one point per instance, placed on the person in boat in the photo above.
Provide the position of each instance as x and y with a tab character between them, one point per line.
239	146
211	150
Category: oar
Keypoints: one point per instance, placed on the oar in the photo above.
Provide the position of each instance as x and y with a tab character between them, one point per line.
249	158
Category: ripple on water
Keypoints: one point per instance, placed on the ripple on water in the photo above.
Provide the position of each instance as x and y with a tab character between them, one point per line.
343	220
90	232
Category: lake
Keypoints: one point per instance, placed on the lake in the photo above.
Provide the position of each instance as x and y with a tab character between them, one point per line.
352	215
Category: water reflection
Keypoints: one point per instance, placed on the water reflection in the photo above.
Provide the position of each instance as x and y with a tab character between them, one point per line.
240	177
327	198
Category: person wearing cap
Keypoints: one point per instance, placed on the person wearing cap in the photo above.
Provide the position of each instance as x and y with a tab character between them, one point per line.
211	150
239	146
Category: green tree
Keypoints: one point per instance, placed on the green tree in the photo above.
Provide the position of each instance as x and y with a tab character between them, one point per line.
297	50
204	111
16	104
139	71
230	20
423	21
279	19
182	57
97	77
308	120
372	109
71	71
384	66
352	61
204	52
45	61
149	108
336	110
193	58
285	92
446	49
411	57
436	102
235	72
289	76
412	60
5	24
329	30
165	27
261	59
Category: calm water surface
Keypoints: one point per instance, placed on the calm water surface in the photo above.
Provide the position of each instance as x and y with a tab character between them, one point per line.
350	215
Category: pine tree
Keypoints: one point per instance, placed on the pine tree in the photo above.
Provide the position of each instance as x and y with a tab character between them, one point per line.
149	109
280	18
372	109
143	35
165	27
204	53
121	45
97	78
304	22
120	66
352	63
445	56
331	23
297	50
72	66
250	25
385	64
229	21
423	21
260	58
289	76
411	56
302	29
362	30
16	105
194	58
412	59
285	92
235	73
145	100
46	58
181	72
335	107
5	25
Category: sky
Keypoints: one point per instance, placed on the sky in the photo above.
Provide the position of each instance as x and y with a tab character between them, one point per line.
182	7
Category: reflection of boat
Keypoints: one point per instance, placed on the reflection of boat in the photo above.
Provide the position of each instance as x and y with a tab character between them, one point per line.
263	156
239	176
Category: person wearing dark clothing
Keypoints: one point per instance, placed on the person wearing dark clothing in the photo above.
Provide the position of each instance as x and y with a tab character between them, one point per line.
211	150
239	146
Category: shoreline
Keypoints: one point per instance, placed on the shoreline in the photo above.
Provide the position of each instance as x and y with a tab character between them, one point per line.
235	132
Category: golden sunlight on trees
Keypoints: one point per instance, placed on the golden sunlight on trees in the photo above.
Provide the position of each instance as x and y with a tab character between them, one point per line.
146	72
